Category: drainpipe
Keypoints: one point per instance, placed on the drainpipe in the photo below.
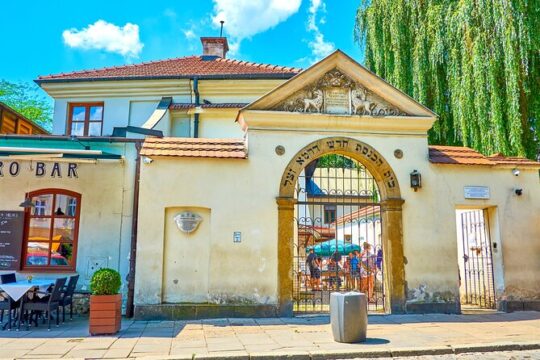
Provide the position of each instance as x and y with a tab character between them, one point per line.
133	247
197	103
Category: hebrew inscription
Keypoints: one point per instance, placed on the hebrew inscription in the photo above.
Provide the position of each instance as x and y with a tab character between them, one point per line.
364	153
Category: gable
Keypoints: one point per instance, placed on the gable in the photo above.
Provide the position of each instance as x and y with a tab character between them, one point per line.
337	93
338	85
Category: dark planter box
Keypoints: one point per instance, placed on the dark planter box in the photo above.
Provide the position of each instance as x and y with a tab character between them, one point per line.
105	314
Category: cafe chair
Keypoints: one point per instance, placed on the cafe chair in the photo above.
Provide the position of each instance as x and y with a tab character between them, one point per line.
48	304
6	303
67	297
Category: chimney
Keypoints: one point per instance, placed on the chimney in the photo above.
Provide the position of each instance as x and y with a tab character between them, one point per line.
215	46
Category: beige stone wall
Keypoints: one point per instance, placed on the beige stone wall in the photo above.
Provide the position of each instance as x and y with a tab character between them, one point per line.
241	195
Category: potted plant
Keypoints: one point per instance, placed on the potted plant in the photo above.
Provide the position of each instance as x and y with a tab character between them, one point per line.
105	302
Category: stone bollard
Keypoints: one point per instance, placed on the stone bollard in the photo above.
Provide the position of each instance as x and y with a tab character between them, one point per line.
348	316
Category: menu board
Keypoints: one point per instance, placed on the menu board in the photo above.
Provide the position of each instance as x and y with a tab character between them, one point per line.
11	239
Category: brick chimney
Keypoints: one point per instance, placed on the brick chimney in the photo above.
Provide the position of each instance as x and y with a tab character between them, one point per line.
215	46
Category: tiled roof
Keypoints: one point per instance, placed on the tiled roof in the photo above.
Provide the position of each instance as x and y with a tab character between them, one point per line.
184	106
354	216
502	160
459	155
198	147
178	68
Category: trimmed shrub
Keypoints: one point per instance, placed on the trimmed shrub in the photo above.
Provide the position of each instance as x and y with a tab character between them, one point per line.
105	282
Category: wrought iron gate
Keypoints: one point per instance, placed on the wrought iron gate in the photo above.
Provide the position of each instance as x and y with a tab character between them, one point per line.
338	244
477	287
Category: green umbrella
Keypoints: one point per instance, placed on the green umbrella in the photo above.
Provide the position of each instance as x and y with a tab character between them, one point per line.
328	247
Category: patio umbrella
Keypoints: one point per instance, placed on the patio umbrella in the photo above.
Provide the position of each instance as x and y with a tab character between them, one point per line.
328	247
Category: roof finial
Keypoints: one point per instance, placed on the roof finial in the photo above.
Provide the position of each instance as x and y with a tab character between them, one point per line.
221	31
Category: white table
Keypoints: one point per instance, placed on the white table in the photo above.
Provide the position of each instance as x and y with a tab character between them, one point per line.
17	289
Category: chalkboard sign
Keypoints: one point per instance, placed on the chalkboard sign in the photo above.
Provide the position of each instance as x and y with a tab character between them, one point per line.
11	239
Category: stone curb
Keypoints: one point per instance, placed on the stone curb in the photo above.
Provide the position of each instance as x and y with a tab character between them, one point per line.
346	354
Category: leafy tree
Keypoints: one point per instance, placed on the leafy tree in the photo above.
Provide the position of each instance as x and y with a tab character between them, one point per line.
26	99
474	62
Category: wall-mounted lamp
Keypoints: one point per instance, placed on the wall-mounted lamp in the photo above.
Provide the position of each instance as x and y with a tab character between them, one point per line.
416	180
27	203
515	172
518	191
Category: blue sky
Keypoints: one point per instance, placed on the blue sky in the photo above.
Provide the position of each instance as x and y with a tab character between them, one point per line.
65	35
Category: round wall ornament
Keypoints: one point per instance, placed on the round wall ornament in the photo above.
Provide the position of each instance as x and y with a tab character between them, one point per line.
187	221
280	150
398	153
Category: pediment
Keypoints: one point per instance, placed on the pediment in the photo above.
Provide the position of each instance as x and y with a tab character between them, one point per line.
338	85
337	93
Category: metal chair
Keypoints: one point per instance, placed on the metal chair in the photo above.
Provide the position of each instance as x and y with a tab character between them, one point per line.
6	303
48	305
67	297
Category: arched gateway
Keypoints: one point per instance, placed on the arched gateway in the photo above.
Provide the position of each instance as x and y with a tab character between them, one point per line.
384	199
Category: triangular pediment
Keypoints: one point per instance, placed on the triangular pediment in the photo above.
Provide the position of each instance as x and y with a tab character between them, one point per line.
338	85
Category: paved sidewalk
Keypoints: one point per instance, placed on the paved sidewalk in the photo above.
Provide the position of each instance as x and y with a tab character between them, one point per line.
299	338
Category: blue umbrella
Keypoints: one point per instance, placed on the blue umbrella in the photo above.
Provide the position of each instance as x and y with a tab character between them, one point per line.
328	247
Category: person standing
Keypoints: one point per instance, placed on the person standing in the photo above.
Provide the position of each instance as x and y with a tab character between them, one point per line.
355	271
310	262
368	269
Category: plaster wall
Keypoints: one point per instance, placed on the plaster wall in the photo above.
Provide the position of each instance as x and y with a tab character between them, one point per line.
106	190
117	112
242	197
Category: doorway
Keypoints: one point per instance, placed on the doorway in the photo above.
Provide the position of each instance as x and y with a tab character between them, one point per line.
475	259
338	235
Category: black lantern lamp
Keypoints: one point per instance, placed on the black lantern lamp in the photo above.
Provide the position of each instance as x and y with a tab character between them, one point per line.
416	180
27	203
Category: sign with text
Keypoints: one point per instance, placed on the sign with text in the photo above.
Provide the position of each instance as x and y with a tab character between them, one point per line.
11	239
476	192
39	169
337	101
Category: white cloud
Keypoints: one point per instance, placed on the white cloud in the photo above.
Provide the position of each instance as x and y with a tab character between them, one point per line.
245	18
101	35
190	34
318	45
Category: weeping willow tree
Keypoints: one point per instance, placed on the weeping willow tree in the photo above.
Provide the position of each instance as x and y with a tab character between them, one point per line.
476	63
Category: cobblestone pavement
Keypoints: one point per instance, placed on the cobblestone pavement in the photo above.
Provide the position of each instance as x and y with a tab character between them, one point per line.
299	338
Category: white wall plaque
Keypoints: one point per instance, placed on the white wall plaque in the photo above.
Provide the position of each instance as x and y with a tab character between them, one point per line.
476	192
337	100
187	221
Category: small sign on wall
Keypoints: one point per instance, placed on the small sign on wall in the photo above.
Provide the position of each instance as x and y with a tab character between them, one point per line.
237	237
476	192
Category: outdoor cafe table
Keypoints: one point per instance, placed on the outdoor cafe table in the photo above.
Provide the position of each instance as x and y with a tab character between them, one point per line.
16	290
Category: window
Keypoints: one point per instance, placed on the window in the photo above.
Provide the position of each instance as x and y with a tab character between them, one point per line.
51	231
329	214
85	119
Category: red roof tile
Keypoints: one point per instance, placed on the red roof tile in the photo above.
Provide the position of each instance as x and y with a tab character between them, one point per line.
459	155
178	68
502	160
190	147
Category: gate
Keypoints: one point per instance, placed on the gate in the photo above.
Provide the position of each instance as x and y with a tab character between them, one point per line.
338	235
477	287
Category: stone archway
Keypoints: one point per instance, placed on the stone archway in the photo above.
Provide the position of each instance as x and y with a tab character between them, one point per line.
391	212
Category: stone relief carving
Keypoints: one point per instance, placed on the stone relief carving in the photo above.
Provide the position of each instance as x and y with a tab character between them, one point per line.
311	99
315	103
